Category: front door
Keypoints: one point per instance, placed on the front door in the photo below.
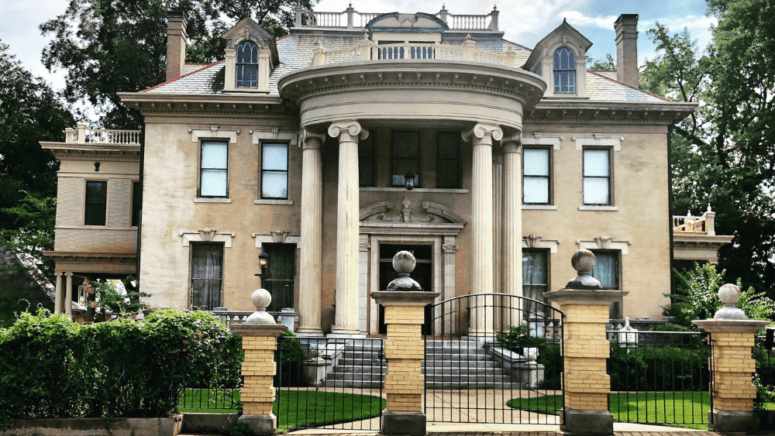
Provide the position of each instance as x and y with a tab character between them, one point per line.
423	274
278	278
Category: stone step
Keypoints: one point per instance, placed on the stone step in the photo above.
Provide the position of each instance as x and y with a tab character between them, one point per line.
463	372
353	384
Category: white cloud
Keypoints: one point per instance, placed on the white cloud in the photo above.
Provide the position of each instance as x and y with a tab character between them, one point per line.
576	18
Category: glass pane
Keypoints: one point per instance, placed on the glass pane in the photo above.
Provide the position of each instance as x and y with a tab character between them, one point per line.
536	190
213	183
448	176
366	172
596	163
247	53
247	75
534	268
366	148
274	185
449	145
536	162
596	191
275	157
406	145
214	155
96	192
95	214
402	167
607	269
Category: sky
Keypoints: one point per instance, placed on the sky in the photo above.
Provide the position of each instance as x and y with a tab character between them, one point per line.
524	22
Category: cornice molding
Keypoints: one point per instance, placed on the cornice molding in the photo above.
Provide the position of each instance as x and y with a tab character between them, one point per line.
86	152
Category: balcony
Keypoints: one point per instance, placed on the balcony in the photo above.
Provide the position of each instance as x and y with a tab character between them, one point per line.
352	19
695	238
84	135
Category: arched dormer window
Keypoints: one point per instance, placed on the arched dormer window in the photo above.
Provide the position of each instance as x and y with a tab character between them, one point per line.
564	71
247	65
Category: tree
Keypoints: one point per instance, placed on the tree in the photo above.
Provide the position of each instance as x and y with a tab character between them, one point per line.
724	154
115	46
602	64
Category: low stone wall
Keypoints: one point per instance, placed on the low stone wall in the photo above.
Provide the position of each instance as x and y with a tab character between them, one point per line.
207	423
96	427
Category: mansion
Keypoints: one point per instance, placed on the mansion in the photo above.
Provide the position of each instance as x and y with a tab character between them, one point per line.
358	135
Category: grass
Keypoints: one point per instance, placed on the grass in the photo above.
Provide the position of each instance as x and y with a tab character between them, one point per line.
680	409
298	408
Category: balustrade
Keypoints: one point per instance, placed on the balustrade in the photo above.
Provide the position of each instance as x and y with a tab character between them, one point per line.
347	19
82	134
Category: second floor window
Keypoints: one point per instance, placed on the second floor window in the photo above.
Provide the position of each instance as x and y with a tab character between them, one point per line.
96	203
448	160
274	171
213	180
536	179
597	177
366	161
406	157
564	71
247	65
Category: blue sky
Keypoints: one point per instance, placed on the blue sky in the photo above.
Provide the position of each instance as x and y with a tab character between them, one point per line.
524	22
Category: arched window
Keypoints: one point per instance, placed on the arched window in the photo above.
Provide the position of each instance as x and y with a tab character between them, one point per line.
564	71
247	65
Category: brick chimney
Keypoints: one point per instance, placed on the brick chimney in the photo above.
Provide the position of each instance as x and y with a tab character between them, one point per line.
626	27
176	44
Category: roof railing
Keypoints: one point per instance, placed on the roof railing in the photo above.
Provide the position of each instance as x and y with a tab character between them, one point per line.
352	19
698	225
83	135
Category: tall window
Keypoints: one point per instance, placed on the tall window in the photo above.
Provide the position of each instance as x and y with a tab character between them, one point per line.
536	178
366	162
96	203
274	171
564	71
448	160
597	177
213	180
534	279
279	277
607	268
247	65
136	203
206	276
406	157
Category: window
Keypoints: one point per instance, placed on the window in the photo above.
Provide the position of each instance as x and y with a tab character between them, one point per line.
448	160
213	181
278	278
607	272
536	178
136	203
247	65
274	171
564	71
96	203
406	157
366	162
597	177
206	276
534	279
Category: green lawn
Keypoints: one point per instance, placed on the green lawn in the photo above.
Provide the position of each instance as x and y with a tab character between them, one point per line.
299	408
678	409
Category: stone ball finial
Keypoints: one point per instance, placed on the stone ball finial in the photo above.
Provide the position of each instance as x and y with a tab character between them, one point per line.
404	263
729	294
261	298
583	262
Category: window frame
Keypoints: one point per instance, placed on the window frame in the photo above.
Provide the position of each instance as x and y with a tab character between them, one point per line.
618	255
549	177
418	180
201	155
191	271
548	286
610	177
262	170
556	87
238	64
458	183
369	140
135	184
86	202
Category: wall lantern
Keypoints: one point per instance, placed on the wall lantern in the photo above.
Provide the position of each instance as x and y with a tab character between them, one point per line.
263	260
409	179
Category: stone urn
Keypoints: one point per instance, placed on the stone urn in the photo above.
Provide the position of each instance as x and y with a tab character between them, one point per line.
583	262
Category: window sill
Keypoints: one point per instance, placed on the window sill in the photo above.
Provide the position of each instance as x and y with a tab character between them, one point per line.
434	190
600	208
274	202
212	200
539	207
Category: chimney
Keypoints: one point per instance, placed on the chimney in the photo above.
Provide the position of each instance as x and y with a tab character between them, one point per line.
176	43
626	27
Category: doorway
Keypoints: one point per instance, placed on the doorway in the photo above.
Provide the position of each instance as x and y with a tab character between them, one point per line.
423	274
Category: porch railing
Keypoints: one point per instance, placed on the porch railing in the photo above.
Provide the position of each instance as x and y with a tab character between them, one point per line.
83	135
698	225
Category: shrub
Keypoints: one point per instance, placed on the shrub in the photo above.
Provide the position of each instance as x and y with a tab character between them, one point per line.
549	354
290	372
660	368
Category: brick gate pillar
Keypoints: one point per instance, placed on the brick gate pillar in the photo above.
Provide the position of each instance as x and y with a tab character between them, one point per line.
732	335
404	351
585	381
259	340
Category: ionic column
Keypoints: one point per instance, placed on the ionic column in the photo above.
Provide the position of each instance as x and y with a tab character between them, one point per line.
512	223
497	232
347	226
69	294
59	292
311	234
481	223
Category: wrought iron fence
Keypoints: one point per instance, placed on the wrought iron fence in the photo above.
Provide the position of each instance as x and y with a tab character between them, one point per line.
212	398
765	364
660	377
330	383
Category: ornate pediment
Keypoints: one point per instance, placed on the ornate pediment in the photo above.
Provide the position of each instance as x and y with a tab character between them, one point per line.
431	213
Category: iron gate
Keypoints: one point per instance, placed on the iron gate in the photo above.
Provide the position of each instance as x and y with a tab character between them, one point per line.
494	358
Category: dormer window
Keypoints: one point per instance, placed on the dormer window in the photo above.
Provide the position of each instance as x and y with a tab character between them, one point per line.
564	71
247	65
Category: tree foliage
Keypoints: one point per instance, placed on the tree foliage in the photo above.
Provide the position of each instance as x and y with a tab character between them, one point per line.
724	154
602	64
34	220
112	46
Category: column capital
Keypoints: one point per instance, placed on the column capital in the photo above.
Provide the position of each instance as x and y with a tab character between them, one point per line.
512	143
480	131
351	128
311	140
68	274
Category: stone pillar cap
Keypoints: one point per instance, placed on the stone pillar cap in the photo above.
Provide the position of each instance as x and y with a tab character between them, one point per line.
404	298
583	262
261	299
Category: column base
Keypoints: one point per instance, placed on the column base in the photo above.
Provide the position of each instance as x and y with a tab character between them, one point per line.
309	332
729	422
339	332
590	422
261	425
403	423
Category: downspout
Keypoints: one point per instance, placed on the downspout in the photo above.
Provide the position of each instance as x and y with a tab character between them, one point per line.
670	202
140	219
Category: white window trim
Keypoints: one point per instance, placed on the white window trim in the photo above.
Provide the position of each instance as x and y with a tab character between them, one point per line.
212	200
534	241
273	202
539	207
276	237
599	208
540	139
604	243
274	135
214	132
206	235
598	140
